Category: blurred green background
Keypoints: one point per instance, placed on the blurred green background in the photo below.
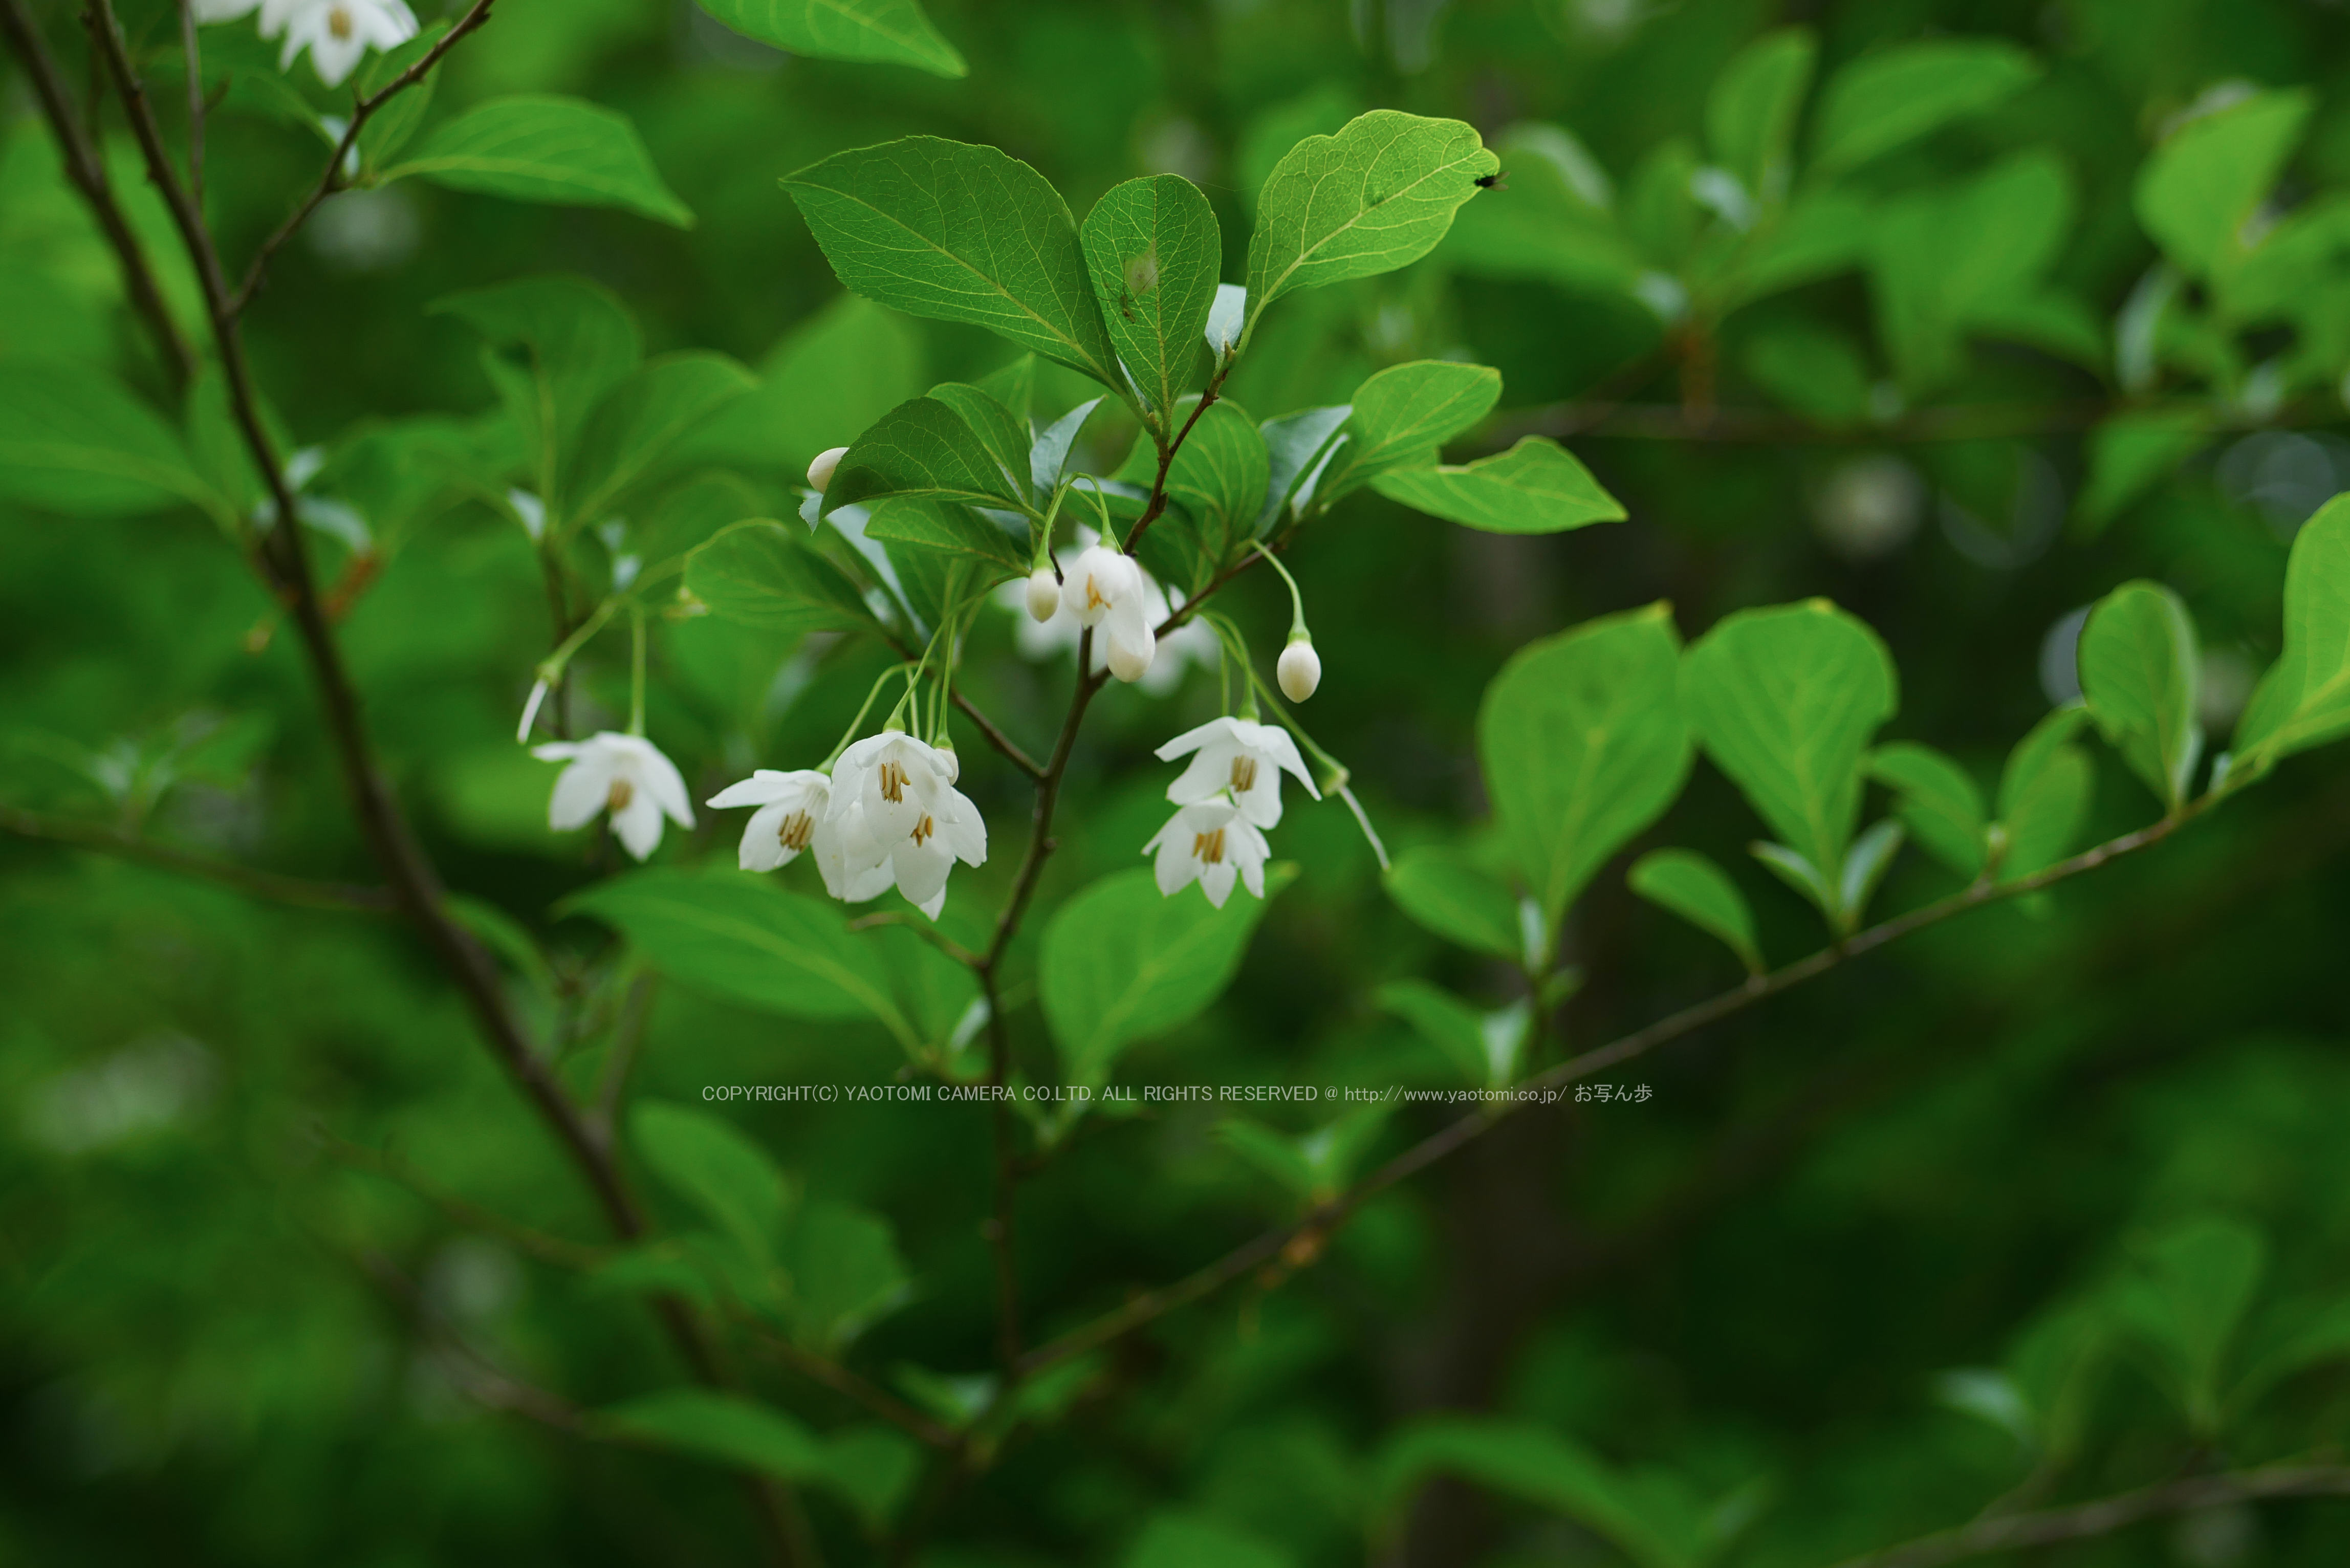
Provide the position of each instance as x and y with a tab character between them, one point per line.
1755	1280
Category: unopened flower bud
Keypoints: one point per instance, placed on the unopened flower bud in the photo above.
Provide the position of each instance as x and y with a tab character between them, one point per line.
954	764
1044	594
820	470
1131	661
1300	670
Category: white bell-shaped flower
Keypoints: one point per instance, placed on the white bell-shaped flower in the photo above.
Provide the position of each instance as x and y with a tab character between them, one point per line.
790	805
625	774
896	817
1109	593
1210	844
853	867
896	778
1241	756
336	32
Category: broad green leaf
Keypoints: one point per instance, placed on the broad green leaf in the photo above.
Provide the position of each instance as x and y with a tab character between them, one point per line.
1154	248
1458	901
1297	447
555	346
2183	1302
639	421
74	440
389	128
1123	962
1864	865
1486	1048
922	448
728	1428
1196	1541
1785	701
821	384
762	574
691	513
2199	190
1653	1518
2043	794
2304	699
1555	223
1886	100
1961	256
1815	370
1937	802
1535	487
1013	384
957	232
1584	745
748	941
944	526
2140	667
1700	892
1405	412
845	1273
2130	454
1048	454
1376	196
535	147
1221	475
1004	435
885	32
1750	114
711	1163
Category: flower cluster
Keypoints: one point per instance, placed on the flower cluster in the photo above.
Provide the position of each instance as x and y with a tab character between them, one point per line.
1129	599
1225	800
336	32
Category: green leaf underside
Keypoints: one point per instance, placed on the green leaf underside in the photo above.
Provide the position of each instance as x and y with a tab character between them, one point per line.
1444	1020
884	31
1121	963
950	529
1378	195
1535	487
1700	892
764	574
2140	667
1785	701
1153	247
1457	901
539	148
957	232
1583	745
1937	802
748	941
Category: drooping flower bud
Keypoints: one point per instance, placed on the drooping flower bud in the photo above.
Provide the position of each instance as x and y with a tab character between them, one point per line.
820	470
1131	651
1300	670
1043	595
946	755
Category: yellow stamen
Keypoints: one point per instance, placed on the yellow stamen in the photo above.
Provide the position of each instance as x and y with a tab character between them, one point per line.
1094	599
1208	849
623	792
923	830
796	831
338	22
1243	774
893	782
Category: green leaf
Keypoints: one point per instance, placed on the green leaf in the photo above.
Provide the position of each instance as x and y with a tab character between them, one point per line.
1963	256
1535	487
1297	446
747	941
873	1467
2304	699
1891	98
2130	454
957	232
1154	249
1196	1541
1937	802
1220	477
1700	892
2183	1302
555	346
2196	194
1653	1518
1584	745
1122	962
1750	114
1814	370
1404	414
1785	701
951	530
761	573
1376	196
2140	667
885	32
1004	434
820	385
535	147
1864	865
389	128
2043	794
640	420
74	440
1460	903
690	514
1555	225
923	448
726	1429
846	1273
1485	1048
712	1165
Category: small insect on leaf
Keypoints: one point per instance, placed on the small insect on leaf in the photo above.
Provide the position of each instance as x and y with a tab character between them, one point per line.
1499	180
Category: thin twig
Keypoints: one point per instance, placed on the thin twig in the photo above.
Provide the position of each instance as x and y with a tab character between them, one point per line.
332	179
472	1216
78	150
2106	1515
628	1043
194	56
923	929
299	891
1311	1230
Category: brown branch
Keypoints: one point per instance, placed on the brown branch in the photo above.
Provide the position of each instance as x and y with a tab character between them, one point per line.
299	891
1307	1234
78	150
2106	1515
194	56
332	179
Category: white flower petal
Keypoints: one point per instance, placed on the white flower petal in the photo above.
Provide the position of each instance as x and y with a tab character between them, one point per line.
638	825
1193	740
763	845
580	791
